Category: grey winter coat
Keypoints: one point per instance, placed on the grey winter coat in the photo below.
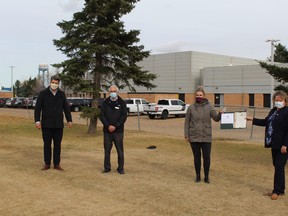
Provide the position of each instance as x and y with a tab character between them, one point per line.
197	126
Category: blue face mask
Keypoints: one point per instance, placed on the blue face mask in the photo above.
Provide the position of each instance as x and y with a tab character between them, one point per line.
113	94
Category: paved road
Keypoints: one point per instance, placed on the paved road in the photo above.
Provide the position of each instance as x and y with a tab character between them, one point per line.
171	126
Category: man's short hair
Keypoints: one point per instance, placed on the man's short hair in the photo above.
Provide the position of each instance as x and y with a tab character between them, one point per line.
55	77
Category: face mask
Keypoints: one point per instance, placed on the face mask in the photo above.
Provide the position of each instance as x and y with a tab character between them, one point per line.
199	99
113	94
279	104
54	86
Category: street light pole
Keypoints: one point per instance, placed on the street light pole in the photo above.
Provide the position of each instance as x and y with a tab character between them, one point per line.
272	41
12	79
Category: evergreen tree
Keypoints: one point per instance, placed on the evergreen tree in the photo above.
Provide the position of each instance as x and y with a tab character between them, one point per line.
101	52
27	87
281	54
279	73
16	88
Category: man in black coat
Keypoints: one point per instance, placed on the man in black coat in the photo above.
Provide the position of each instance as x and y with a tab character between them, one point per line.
113	116
48	115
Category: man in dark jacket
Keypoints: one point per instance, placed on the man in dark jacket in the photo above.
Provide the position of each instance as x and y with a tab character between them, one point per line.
48	115
113	116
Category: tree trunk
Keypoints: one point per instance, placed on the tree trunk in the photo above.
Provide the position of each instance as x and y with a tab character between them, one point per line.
95	101
92	126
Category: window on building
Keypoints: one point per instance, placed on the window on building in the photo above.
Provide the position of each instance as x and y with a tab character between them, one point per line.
181	96
267	100
218	100
251	100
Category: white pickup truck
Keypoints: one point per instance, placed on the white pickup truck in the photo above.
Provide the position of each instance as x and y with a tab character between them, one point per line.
132	104
166	107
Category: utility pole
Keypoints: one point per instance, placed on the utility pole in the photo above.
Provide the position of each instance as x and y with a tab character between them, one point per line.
272	41
12	79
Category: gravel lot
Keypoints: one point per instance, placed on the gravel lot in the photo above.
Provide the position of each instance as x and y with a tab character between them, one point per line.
170	127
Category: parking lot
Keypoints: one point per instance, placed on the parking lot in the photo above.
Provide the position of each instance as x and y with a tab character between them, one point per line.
175	127
169	127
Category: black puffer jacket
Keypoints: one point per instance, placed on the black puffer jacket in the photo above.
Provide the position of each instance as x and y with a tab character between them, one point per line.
113	113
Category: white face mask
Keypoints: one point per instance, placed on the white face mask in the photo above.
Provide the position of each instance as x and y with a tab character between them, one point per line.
279	104
54	86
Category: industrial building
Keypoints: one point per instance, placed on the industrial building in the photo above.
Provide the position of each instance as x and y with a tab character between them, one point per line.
247	85
226	79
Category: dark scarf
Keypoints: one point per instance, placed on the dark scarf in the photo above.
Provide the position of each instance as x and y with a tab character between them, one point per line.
269	131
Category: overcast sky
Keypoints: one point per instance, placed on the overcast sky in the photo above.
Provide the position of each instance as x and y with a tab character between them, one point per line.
229	27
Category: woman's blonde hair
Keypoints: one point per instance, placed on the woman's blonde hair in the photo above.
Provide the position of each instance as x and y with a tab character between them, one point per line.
200	89
281	94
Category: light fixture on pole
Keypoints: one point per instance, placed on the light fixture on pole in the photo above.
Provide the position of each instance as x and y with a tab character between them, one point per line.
272	41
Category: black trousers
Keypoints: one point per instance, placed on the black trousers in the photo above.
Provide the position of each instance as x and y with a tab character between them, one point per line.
279	162
206	150
48	135
117	139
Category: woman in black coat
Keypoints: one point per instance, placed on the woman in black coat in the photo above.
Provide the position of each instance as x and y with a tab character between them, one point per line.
276	138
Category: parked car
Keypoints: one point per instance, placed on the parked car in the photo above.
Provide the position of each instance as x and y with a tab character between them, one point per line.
166	107
8	102
17	102
34	102
3	102
76	104
28	103
135	105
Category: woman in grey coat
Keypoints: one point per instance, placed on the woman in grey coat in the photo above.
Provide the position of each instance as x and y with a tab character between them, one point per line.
198	131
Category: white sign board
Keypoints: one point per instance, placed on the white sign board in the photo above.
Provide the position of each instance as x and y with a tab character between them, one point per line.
240	120
233	120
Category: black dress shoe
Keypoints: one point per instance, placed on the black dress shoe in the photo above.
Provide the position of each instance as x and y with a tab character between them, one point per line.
198	178
121	171
106	171
206	179
45	167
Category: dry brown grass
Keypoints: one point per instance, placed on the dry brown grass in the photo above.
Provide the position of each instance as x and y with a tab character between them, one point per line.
157	182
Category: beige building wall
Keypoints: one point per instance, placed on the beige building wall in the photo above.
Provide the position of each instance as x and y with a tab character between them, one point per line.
258	100
153	97
236	99
233	99
4	94
180	71
210	97
190	98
